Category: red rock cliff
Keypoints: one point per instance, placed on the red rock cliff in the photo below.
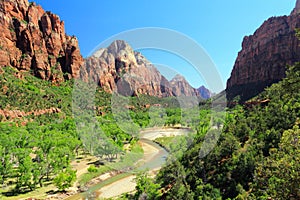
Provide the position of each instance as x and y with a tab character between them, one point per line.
34	40
264	56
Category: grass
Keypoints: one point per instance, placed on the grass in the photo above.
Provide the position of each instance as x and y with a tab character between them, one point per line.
129	159
40	193
85	178
165	142
99	186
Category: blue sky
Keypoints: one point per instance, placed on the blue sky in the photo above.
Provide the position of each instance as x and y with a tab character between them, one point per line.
217	25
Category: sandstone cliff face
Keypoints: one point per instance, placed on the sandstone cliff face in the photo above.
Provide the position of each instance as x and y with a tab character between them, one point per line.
34	40
118	68
264	56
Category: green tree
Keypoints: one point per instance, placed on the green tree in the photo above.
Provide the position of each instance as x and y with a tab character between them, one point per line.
206	191
65	179
6	148
278	176
145	187
25	176
53	152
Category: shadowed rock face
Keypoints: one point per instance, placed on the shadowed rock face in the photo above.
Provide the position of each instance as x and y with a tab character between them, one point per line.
204	92
34	40
297	8
264	56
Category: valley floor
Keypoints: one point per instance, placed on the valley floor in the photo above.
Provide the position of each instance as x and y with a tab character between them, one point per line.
152	153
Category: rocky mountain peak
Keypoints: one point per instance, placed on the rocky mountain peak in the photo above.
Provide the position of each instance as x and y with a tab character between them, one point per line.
177	78
118	46
120	51
204	92
119	67
34	40
181	87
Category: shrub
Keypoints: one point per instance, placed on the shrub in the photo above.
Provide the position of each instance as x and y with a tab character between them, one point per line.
92	169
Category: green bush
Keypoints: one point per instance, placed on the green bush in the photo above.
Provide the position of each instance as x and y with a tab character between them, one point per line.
92	169
65	179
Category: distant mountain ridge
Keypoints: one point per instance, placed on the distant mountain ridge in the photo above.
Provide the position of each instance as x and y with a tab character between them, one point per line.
264	56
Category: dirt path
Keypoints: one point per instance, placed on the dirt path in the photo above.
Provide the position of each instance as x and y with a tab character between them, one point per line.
82	166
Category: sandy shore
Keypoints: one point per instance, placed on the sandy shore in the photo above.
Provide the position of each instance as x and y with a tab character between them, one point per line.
153	133
117	188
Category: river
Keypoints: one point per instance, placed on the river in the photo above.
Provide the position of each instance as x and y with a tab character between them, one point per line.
154	157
